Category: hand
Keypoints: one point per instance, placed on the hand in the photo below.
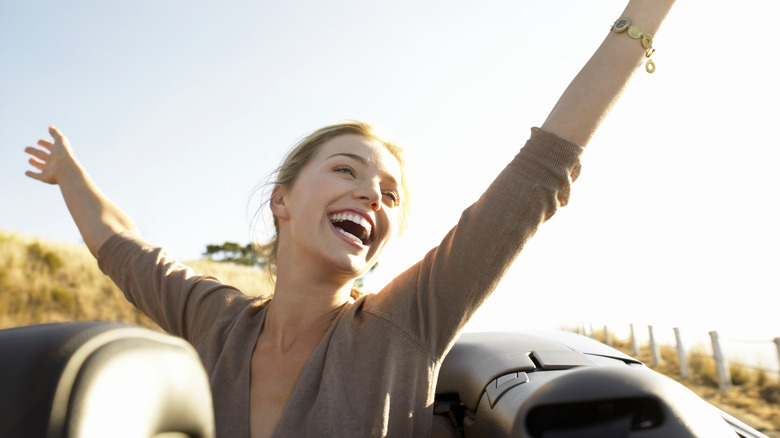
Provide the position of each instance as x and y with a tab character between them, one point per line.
53	161
95	215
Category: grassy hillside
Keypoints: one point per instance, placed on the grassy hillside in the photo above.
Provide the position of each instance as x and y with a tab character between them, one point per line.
43	281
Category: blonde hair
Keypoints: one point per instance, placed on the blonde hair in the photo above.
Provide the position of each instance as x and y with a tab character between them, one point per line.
302	153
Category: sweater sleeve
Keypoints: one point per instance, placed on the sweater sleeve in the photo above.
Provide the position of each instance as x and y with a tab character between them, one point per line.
434	299
171	294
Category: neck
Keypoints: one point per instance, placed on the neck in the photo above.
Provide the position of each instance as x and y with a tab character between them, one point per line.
302	308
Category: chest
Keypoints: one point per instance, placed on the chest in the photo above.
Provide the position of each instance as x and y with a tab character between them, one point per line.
273	378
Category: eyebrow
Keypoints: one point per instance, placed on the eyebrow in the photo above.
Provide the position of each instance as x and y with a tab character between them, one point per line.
353	156
362	161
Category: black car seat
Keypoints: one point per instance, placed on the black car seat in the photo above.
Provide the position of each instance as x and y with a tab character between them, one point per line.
84	380
562	385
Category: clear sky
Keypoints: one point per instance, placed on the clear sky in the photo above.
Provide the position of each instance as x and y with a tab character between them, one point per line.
179	109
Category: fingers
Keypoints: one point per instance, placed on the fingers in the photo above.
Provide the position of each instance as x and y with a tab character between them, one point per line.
47	144
55	132
44	174
38	161
59	138
42	159
38	176
37	153
37	164
34	175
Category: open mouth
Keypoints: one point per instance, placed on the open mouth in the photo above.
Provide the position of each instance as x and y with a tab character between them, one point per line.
353	226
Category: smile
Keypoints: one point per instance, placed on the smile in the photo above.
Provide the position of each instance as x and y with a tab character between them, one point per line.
354	226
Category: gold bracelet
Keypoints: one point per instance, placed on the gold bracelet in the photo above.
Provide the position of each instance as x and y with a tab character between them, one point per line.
624	23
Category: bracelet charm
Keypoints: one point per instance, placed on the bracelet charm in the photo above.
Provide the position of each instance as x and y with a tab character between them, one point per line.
623	24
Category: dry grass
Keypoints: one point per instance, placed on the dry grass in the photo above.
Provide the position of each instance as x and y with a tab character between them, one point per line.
51	282
754	397
250	280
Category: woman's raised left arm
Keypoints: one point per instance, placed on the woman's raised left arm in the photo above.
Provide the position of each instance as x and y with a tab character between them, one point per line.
593	92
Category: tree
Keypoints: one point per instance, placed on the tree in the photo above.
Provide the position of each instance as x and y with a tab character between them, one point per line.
231	252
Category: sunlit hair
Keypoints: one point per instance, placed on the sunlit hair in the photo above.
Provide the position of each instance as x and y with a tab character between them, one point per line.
302	153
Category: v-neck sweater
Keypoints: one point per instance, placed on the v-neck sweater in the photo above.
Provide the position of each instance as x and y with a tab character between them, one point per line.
374	372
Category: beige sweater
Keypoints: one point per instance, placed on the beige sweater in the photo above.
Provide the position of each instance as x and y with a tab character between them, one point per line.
374	373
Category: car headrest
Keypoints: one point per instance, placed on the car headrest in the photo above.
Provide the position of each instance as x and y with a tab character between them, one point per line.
558	385
592	402
477	359
101	379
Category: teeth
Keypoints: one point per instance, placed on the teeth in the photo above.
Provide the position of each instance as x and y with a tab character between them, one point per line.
354	218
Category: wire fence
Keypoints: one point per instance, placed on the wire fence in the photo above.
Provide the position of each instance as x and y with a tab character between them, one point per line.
731	356
742	348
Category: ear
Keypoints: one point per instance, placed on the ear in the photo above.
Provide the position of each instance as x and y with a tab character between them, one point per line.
278	206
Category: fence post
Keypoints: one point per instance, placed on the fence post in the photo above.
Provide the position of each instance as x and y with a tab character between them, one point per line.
635	346
684	373
720	363
654	347
607	340
777	344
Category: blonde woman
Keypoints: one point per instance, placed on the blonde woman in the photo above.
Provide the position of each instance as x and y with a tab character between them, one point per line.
312	361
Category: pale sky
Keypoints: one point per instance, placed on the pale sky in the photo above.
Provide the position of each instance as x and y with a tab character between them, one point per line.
179	109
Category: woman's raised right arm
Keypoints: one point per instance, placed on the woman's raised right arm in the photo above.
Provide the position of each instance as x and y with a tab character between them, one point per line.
96	217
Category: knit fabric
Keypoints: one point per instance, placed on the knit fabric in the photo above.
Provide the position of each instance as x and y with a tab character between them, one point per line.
374	372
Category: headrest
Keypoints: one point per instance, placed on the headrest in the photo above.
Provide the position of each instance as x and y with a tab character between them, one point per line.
100	379
477	359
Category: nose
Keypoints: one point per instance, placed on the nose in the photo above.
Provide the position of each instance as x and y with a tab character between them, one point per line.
371	194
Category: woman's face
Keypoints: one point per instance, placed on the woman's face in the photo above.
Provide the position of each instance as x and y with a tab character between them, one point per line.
342	209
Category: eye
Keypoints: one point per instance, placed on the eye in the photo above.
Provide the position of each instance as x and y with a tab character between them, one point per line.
345	170
395	199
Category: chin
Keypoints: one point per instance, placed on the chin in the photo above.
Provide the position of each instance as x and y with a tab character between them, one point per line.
349	266
361	267
356	265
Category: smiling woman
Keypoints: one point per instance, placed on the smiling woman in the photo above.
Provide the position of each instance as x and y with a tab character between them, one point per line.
304	151
311	361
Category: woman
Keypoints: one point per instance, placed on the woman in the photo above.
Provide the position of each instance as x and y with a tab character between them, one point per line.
312	361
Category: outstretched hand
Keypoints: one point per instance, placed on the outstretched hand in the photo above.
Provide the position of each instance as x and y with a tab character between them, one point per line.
52	160
95	215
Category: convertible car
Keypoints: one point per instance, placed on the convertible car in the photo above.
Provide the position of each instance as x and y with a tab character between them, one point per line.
67	380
